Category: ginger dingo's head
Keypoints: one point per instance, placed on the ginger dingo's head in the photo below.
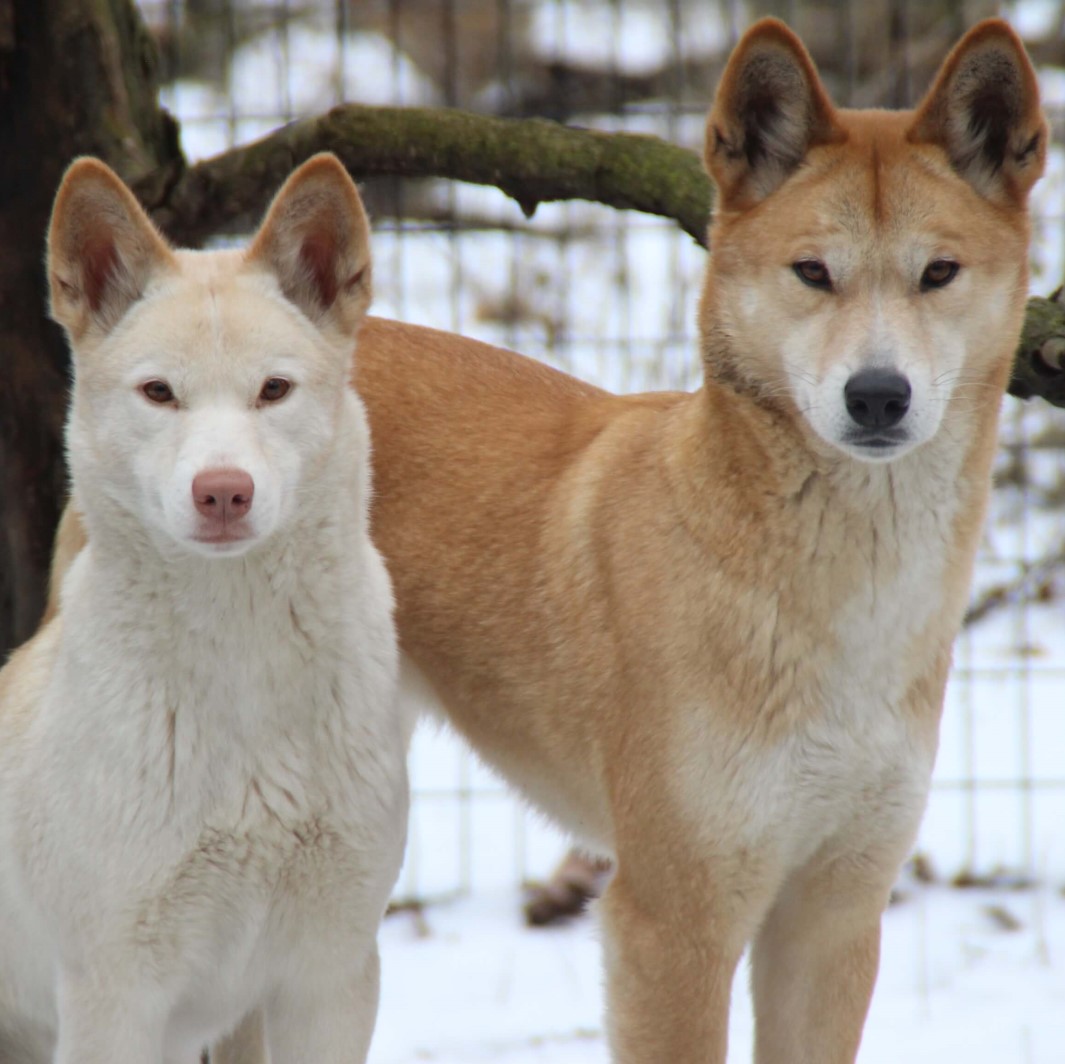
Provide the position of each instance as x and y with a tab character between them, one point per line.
208	385
870	266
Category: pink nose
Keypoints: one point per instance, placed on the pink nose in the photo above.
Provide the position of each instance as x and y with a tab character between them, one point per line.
223	494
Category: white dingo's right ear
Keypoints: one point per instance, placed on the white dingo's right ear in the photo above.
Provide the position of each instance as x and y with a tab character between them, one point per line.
769	111
316	241
102	248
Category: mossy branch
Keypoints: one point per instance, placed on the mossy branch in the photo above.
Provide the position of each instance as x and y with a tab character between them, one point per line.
1039	368
532	160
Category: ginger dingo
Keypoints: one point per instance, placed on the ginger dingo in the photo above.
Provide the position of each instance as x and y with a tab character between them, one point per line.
202	768
710	632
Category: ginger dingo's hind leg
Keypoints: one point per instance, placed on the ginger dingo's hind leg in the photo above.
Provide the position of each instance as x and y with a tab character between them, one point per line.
69	539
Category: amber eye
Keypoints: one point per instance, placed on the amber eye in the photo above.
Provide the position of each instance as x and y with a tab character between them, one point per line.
938	274
273	389
814	273
157	392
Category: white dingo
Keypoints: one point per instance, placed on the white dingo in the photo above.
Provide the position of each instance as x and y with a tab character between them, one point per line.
203	791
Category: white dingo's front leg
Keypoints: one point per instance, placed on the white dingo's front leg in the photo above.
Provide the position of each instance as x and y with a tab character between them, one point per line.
326	1024
101	1021
246	1045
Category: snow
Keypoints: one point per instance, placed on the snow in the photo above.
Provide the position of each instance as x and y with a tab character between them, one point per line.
635	38
611	297
465	983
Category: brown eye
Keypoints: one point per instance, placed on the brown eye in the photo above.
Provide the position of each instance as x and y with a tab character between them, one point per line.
273	389
938	274
814	273
157	392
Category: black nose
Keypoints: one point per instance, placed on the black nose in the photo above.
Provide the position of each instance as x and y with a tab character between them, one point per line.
877	398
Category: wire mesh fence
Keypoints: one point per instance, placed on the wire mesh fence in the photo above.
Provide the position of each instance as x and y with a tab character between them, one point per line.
611	295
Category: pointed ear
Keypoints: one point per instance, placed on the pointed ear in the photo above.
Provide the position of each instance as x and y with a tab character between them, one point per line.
316	241
102	248
983	110
769	111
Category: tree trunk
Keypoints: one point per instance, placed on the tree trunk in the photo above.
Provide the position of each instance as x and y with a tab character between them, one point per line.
76	77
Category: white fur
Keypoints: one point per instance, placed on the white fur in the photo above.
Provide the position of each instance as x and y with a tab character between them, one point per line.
203	792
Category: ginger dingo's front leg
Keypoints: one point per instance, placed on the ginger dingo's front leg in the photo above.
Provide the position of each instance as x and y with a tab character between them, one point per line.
814	965
672	944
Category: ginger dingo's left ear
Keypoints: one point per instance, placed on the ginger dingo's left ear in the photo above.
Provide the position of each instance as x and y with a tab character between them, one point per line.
770	109
102	248
984	111
316	240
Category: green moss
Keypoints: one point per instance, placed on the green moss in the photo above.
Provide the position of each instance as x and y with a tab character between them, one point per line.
1033	375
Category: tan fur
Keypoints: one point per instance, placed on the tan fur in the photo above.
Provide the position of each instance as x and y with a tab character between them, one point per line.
706	638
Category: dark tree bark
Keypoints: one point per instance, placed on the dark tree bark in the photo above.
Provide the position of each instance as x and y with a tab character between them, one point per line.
76	77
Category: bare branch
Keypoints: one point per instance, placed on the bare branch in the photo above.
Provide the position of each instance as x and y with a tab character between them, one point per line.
1030	586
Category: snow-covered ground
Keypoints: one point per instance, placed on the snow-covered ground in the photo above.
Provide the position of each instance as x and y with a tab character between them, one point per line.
465	983
967	975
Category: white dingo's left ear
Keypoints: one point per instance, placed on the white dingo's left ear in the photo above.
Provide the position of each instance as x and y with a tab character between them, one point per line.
316	240
102	248
984	111
769	111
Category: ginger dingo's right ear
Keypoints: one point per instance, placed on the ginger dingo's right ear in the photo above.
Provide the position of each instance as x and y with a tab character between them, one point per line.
984	111
770	109
316	241
102	248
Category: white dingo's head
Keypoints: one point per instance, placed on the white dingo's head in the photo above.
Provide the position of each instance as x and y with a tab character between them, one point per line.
208	385
870	267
